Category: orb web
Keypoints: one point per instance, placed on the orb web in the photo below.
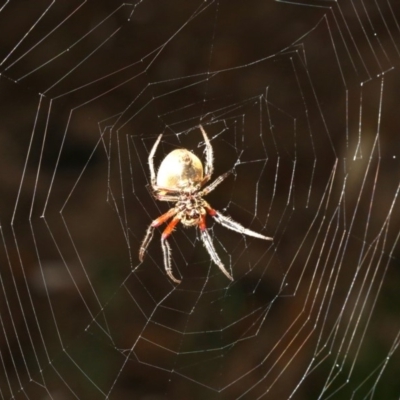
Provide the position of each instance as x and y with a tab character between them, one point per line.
299	102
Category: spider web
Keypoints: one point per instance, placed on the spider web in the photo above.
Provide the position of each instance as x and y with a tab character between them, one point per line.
299	102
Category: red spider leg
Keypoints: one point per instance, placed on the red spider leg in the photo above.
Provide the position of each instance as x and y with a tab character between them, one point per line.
211	211
150	230
202	223
209	245
166	248
170	227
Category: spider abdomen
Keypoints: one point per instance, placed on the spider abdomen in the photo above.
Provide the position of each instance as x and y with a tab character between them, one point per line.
180	169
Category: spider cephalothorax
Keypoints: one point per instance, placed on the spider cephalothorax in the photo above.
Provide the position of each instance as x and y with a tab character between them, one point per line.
191	208
180	179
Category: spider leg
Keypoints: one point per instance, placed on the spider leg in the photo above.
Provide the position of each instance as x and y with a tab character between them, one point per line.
233	225
151	161
146	241
214	184
164	194
165	197
167	249
150	230
208	244
209	166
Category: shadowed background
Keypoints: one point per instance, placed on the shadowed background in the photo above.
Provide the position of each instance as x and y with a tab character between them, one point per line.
299	101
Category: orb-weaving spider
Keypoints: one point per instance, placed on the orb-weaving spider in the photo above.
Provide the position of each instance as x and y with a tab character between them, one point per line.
180	179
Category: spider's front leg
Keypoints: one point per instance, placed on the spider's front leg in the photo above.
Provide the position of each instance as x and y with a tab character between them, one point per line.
209	167
150	230
151	161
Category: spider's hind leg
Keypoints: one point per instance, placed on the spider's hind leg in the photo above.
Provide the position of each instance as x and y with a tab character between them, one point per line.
167	249
208	244
146	241
229	223
150	230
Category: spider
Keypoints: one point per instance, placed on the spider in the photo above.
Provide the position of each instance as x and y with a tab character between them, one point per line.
180	179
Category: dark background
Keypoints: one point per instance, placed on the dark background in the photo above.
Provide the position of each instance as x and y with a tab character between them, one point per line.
301	101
